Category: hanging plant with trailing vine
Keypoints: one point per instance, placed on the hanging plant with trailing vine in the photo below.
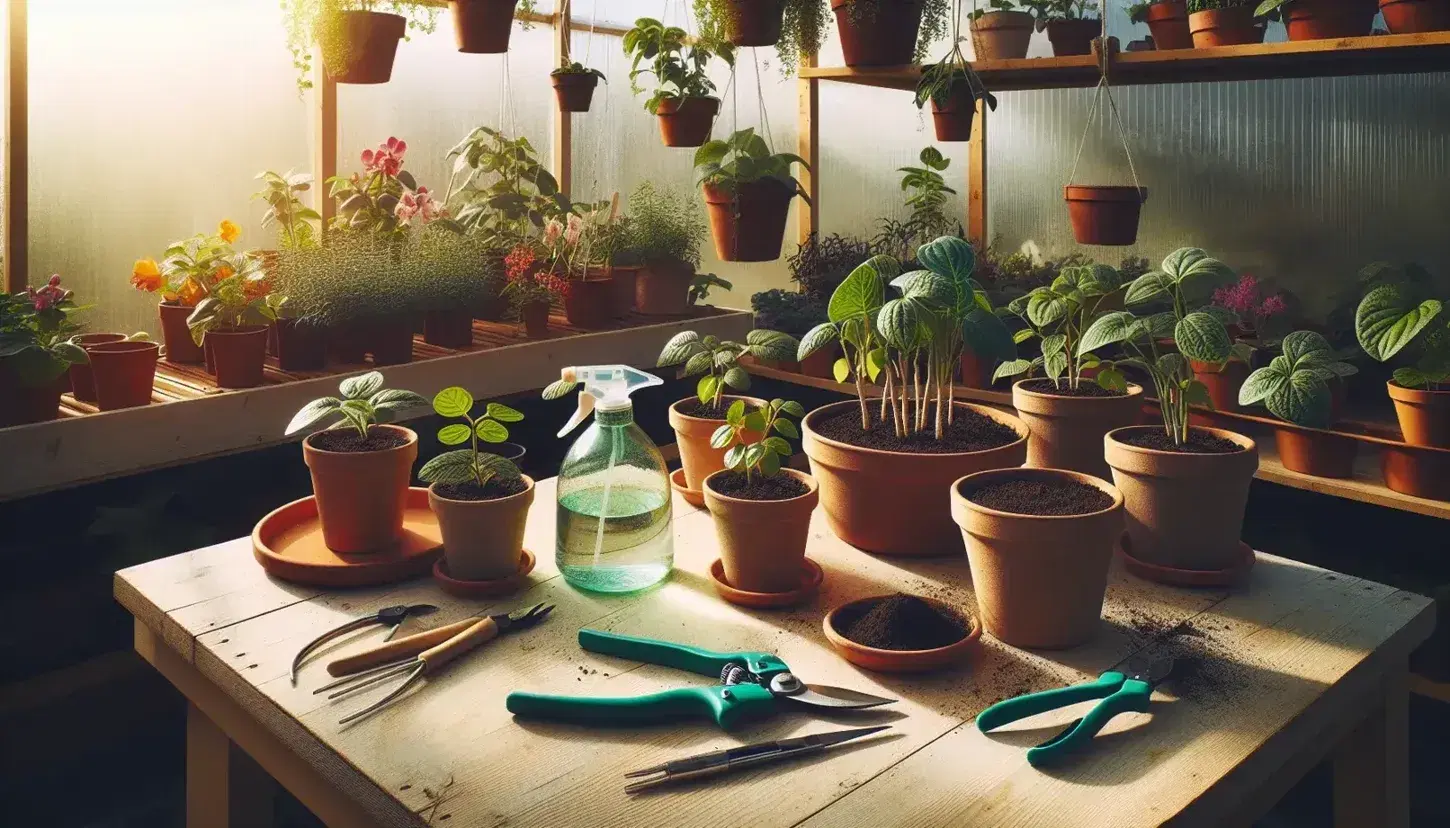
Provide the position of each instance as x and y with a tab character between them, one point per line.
802	27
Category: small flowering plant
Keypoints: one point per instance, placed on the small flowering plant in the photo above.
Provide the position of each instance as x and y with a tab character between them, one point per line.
384	199
1247	299
35	331
241	297
526	281
190	268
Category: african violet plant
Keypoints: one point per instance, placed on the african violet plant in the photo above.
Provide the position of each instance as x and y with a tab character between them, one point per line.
677	62
470	464
744	158
363	403
718	360
1059	314
769	421
1399	311
1294	386
35	332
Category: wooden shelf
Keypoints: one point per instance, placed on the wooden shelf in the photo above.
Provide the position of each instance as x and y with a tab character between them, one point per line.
1377	55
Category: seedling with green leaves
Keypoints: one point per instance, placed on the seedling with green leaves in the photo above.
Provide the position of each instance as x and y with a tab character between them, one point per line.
1400	311
765	455
744	158
1294	386
1059	314
717	361
470	464
363	403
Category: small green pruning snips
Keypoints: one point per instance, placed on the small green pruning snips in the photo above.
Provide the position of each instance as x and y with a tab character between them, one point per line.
751	685
1121	692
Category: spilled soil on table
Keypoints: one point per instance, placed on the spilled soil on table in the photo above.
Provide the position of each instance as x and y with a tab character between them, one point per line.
1205	668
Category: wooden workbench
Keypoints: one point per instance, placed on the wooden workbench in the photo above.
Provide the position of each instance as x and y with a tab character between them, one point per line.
1299	665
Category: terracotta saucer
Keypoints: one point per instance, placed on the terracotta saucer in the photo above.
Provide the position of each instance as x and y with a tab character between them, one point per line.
288	544
811	577
1187	577
901	661
483	589
694	497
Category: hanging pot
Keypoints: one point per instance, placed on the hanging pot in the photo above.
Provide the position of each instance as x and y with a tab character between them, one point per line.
952	118
754	22
1106	215
82	384
1223	382
1168	21
880	33
238	355
449	328
482	27
21	403
1230	26
1073	37
301	346
1001	35
589	302
748	224
1413	16
1328	19
1314	451
1424	415
390	339
686	122
176	336
662	287
363	47
574	90
125	373
624	287
535	316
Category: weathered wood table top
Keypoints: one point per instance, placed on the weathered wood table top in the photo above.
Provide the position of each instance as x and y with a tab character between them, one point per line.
1271	677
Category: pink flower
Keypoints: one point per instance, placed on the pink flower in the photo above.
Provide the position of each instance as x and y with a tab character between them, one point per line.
49	295
1241	297
574	230
387	158
1273	306
552	231
419	203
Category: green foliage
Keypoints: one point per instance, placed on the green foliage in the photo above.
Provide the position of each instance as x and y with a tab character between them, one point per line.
744	158
499	187
568	67
1046	10
1138	12
35	334
787	311
1059	314
362	402
1294	386
676	62
928	196
463	465
1399	311
293	219
310	22
1211	5
239	300
802	27
717	361
819	265
664	224
938	80
701	284
439	269
764	456
994	6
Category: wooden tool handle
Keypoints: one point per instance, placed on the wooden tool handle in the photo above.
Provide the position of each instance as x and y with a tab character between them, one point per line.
481	632
398	648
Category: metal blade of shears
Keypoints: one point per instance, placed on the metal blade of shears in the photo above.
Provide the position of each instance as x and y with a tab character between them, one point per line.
820	695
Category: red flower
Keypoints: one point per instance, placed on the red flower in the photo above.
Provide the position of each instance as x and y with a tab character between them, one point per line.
387	158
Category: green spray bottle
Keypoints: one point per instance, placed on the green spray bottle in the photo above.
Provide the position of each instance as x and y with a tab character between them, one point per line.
613	513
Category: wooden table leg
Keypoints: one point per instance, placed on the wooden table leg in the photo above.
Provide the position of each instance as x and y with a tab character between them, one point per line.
224	787
1372	763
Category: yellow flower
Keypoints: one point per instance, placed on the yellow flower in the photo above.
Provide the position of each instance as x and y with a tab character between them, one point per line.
146	275
229	231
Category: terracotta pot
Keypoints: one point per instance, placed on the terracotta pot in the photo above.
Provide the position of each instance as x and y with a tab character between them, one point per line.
367	45
1424	415
361	495
574	90
1416	471
686	122
239	355
348	343
763	542
748	225
1073	37
301	346
1223	382
1232	26
1412	16
449	328
21	403
821	364
1067	432
1039	580
754	23
900	661
1327	19
1316	452
1001	35
662	287
976	372
1105	215
623	288
884	35
692	435
589	302
897	503
390	339
1168	21
482	539
535	316
482	27
176	336
82	385
952	119
1184	511
124	372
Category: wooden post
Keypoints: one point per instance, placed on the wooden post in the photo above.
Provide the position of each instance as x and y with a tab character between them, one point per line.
977	180
562	151
324	134
808	144
17	150
1371	765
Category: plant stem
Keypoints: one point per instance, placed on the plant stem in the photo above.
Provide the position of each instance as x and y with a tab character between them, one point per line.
473	443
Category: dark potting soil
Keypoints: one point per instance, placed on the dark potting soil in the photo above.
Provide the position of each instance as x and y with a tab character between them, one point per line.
1206	668
902	622
347	439
969	431
494	489
779	487
1041	497
1199	442
1087	388
694	408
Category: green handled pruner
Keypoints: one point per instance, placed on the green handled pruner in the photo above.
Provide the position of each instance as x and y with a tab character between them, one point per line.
750	685
1131	690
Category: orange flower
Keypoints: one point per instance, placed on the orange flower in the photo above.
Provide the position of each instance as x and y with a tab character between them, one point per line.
223	272
255	287
191	292
146	275
229	231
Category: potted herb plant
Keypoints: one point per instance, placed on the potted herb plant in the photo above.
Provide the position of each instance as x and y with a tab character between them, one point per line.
1071	25
1413	16
882	467
230	324
1295	387
666	232
762	511
187	271
747	193
1395	315
1321	19
574	85
1223	23
793	27
530	290
1167	20
482	27
571	253
682	99
1001	31
889	32
357	39
36	352
1184	488
481	499
360	468
456	277
953	89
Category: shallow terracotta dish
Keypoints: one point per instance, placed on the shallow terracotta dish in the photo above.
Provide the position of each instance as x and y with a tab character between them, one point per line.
483	589
1187	577
811	577
288	544
901	661
694	497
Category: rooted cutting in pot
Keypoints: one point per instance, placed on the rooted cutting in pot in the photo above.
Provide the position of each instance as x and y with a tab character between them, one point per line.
1397	312
1295	387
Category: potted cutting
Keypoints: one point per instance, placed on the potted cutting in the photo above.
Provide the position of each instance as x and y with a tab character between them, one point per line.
571	251
574	85
1184	488
1295	387
185	275
953	89
358	39
682	99
747	194
297	346
1412	16
793	27
230	324
1321	19
666	233
360	467
1398	314
531	290
1167	20
1223	23
36	352
1255	312
1067	413
889	32
1001	31
762	511
1072	25
716	362
482	27
481	499
882	467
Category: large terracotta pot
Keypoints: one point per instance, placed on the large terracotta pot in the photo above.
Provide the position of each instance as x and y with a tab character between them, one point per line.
748	224
976	372
1327	19
1222	381
1106	215
482	539
624	286
692	436
176	336
124	373
763	542
1073	37
1001	35
361	495
1316	452
1067	432
301	346
1412	16
390	339
1039	580
589	302
1184	511
662	287
82	384
449	328
898	503
1424	415
754	22
952	119
535	317
686	122
21	403
1168	21
367	44
1231	26
238	355
574	90
882	34
482	27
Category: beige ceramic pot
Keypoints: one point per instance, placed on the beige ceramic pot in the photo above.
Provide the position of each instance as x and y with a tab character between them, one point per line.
763	542
482	539
1067	432
361	495
692	435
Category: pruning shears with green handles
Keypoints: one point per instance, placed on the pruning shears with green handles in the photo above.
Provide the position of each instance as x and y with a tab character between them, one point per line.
751	685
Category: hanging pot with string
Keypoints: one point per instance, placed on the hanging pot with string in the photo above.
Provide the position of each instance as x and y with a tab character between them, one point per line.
482	27
953	88
1104	214
878	32
753	22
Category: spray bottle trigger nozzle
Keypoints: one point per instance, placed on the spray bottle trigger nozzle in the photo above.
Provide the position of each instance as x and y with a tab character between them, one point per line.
586	407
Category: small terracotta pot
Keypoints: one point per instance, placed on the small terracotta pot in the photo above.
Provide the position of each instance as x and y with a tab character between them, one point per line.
1001	35
1419	472
686	122
952	119
1231	26
1223	382
1067	432
238	355
1106	215
762	542
1316	452
82	384
1424	415
368	44
124	373
754	23
1073	37
883	36
361	495
662	287
1039	580
390	339
1168	21
176	336
1412	16
589	302
692	435
301	346
21	403
897	503
822	363
748	224
1327	19
449	328
1184	511
482	27
623	289
574	90
535	316
976	372
482	539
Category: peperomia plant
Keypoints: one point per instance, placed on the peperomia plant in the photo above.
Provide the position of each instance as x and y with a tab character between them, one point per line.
677	62
768	421
1294	386
363	403
718	360
1059	314
470	464
744	158
1399	311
